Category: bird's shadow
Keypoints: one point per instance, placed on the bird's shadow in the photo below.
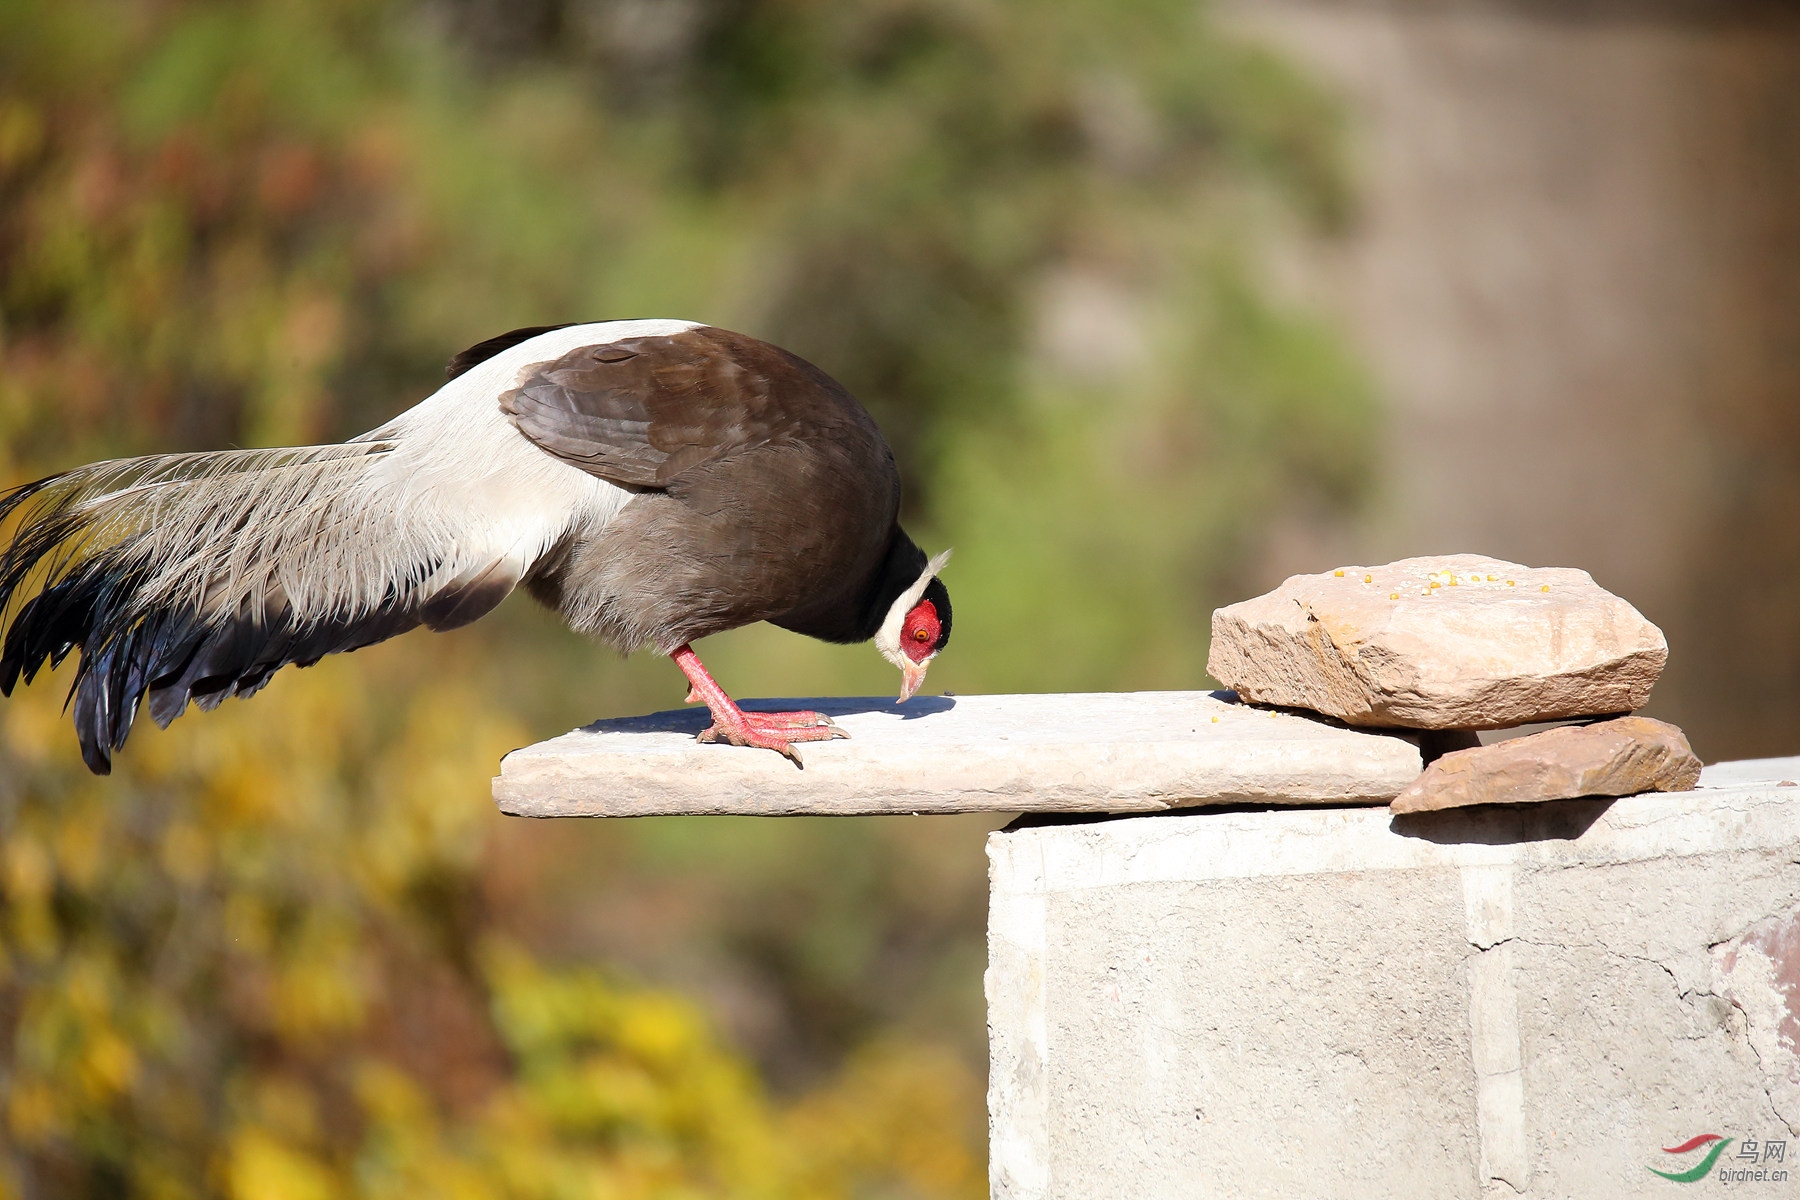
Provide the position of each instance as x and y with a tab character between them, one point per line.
693	720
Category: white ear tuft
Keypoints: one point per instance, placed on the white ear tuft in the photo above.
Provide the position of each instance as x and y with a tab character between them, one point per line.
887	638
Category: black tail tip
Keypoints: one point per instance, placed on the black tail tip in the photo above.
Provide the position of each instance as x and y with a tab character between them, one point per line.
97	758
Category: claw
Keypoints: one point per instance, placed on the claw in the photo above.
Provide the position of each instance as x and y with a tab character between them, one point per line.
773	731
766	731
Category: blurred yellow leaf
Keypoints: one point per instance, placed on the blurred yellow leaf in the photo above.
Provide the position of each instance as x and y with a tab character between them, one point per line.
260	1167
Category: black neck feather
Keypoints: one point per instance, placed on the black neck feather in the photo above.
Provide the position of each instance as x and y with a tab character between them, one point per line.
856	612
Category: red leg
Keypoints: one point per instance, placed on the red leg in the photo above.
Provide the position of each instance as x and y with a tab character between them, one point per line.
767	731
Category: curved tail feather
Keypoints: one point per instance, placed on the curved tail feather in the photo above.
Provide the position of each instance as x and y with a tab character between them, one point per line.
196	577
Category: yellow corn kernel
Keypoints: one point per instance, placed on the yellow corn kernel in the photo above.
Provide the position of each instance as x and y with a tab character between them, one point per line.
1338	574
1393	595
1511	583
1491	578
1368	579
1545	588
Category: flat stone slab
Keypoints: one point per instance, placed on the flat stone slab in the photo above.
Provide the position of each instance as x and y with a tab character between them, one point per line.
1100	752
1529	1002
1621	757
1459	641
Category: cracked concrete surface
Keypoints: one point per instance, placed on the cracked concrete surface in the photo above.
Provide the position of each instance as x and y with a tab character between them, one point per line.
1336	1003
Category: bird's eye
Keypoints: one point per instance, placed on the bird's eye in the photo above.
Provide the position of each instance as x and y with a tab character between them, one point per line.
919	635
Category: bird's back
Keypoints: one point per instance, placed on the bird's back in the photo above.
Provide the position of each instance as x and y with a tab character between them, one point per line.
764	490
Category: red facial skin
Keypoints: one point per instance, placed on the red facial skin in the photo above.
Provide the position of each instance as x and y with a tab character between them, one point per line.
920	631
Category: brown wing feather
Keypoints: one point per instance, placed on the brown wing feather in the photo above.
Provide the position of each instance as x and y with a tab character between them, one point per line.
641	412
772	495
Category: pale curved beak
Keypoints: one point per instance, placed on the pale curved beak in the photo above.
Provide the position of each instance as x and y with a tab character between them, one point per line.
912	677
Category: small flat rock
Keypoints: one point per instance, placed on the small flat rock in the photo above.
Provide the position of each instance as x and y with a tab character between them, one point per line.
1105	752
1621	757
1454	642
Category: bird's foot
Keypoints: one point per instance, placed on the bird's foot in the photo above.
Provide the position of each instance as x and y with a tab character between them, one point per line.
804	719
772	731
777	731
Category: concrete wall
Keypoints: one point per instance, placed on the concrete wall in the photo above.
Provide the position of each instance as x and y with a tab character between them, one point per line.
1336	1003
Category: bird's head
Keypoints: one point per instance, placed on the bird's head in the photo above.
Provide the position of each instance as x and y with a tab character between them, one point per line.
917	627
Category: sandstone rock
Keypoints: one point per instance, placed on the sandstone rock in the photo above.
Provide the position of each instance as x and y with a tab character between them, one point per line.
1621	757
1453	642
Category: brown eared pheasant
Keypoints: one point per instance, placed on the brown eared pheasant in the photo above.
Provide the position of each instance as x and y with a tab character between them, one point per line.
652	481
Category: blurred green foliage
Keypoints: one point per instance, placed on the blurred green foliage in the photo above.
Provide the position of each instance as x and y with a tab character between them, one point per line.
259	968
289	950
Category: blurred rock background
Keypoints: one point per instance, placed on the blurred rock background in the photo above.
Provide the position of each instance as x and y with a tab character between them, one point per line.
1573	272
1156	303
